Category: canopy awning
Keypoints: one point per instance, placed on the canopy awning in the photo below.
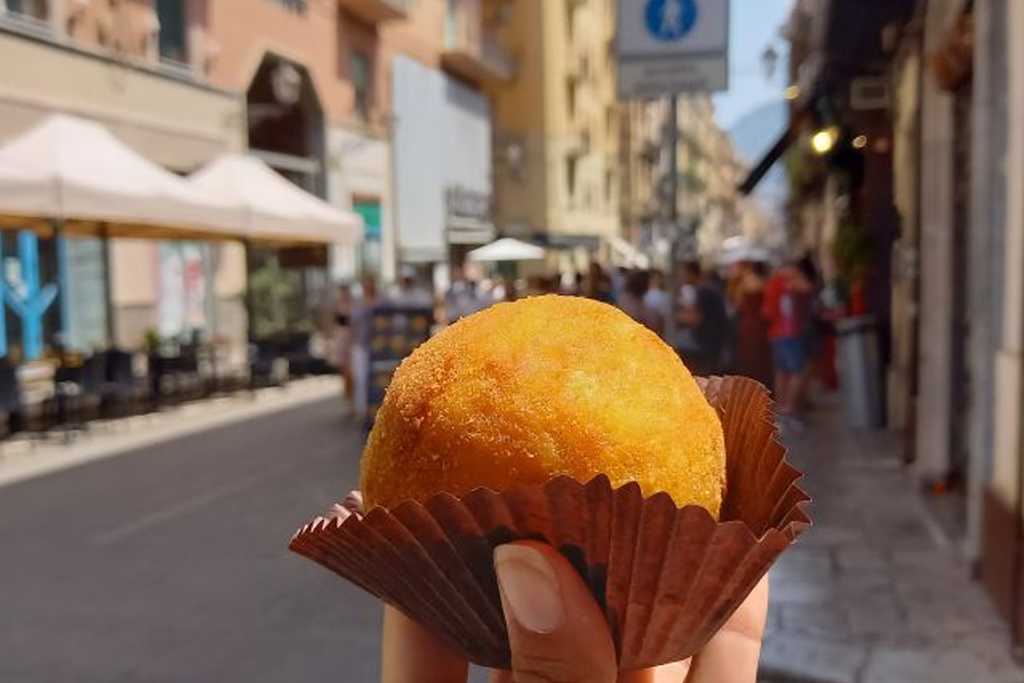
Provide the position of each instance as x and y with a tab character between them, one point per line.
76	171
507	249
628	255
274	209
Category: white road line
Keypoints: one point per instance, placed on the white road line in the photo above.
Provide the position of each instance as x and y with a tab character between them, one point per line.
188	505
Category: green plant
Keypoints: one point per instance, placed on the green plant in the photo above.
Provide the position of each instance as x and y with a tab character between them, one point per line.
853	249
151	340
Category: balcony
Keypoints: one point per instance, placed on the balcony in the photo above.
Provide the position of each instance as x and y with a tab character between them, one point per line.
376	11
469	53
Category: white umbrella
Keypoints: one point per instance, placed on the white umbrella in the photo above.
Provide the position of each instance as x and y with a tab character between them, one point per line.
274	208
76	170
507	249
743	252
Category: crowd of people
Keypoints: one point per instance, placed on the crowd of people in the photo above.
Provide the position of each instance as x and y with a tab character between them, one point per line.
747	320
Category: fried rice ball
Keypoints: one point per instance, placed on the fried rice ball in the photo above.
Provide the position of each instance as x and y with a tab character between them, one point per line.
552	385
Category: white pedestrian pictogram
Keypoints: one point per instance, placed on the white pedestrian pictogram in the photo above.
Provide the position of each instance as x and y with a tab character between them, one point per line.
671	18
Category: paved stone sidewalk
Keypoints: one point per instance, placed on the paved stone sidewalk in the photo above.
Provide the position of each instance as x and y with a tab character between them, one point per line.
874	593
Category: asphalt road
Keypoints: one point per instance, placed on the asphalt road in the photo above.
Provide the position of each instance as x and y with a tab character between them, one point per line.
170	564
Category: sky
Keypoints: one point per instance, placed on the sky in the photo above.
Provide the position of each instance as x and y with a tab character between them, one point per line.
755	25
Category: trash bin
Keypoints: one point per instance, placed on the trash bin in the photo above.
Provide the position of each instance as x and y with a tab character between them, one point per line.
860	385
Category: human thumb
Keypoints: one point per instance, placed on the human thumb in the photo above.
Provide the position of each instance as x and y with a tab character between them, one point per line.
555	628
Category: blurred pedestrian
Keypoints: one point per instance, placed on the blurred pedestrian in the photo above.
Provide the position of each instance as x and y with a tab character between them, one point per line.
409	293
753	347
597	285
814	331
632	302
705	316
463	297
362	332
656	298
617	282
343	319
786	306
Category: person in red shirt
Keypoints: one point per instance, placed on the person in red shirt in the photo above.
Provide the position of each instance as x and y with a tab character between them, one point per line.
787	307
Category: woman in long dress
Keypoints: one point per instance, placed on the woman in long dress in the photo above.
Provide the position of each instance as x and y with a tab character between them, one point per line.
753	348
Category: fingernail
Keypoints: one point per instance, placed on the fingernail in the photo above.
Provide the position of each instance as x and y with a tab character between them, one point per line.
529	588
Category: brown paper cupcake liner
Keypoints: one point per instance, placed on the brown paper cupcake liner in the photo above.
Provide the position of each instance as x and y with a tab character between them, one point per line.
666	578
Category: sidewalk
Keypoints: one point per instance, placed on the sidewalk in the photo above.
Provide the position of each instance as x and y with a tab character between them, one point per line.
873	592
24	458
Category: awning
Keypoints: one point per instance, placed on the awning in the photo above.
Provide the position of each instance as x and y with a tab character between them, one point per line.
274	209
630	255
76	171
774	153
507	249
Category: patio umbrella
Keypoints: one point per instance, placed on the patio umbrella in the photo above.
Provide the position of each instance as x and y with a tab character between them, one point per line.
743	252
29	184
76	171
274	209
507	249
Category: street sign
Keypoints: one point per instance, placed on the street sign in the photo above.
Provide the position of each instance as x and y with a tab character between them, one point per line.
667	47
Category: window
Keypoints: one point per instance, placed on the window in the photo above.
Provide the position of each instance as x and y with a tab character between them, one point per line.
570	177
570	96
609	187
451	23
30	13
295	6
173	39
359	66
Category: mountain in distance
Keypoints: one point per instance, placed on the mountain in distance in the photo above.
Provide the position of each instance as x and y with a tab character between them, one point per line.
752	136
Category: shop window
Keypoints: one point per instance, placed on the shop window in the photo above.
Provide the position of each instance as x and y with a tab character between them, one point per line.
173	31
360	68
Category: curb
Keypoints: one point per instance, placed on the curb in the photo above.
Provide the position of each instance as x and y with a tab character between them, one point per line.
24	459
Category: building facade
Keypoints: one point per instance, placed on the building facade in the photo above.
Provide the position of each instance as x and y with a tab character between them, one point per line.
709	173
306	86
111	62
557	125
954	167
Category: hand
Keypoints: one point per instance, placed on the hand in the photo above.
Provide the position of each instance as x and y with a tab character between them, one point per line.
558	634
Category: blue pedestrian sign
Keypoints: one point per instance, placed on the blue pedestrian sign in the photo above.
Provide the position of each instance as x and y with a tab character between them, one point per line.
670	20
668	47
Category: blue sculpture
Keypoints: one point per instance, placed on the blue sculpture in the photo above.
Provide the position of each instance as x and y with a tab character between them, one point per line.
26	298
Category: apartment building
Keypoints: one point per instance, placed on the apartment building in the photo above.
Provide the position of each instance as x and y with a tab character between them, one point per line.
557	124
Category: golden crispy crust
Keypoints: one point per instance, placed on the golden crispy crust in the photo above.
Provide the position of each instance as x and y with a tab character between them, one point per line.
545	386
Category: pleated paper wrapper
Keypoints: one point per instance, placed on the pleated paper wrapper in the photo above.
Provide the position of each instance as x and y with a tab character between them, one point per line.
666	578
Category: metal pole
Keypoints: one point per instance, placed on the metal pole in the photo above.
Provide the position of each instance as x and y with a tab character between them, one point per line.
108	287
672	142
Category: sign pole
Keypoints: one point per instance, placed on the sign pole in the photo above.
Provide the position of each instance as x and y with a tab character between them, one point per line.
671	283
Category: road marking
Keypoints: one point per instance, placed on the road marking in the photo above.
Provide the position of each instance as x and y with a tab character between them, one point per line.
188	505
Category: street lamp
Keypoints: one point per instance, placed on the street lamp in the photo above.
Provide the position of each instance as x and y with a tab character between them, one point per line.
824	140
